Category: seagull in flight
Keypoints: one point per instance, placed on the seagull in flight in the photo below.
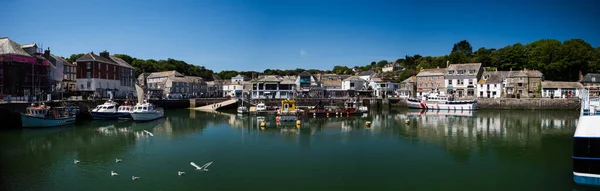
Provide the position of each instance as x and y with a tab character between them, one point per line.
118	160
135	177
75	161
112	173
179	173
152	135
203	167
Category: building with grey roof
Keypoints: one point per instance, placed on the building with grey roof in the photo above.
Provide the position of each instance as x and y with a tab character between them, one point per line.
461	79
273	87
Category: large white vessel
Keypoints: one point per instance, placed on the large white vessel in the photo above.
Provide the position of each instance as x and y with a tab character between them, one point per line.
144	110
586	142
110	110
440	103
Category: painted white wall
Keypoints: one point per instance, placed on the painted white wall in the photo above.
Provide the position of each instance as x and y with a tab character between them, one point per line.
358	84
482	90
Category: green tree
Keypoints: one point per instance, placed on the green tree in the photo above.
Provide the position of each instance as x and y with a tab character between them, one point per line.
463	47
74	57
382	63
483	56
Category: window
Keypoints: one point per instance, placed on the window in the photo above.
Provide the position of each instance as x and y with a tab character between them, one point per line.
471	72
107	67
99	67
89	84
534	84
451	72
495	85
460	72
351	84
488	86
99	76
88	75
89	65
470	81
521	78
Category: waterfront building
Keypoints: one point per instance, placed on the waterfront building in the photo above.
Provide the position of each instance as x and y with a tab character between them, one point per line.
408	87
553	89
383	87
332	83
430	81
355	85
156	82
215	88
184	87
367	75
100	74
65	74
234	87
394	66
23	71
591	81
524	83
492	84
461	79
307	85
273	87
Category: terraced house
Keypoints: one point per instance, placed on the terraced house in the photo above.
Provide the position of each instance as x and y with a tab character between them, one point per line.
101	74
524	83
430	81
461	79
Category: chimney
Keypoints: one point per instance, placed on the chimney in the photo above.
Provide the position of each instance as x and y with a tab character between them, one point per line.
438	67
47	53
580	76
105	54
447	63
510	69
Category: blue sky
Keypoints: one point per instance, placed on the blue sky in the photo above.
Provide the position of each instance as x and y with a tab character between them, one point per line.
283	34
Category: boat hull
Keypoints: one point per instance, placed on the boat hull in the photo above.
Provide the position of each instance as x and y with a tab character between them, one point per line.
441	106
110	115
29	121
146	116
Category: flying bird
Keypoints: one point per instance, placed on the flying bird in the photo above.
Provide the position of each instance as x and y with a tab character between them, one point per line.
135	177
203	167
179	173
75	161
152	135
118	160
112	173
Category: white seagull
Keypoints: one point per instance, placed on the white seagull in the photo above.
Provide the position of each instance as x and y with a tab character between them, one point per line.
203	167
152	135
112	173
118	160
75	161
135	177
179	173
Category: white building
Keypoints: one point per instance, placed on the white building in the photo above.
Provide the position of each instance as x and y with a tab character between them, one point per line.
273	87
383	88
394	66
561	89
492	84
367	75
235	87
355	83
461	79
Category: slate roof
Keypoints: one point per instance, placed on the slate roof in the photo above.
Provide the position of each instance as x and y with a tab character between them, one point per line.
354	78
288	80
268	78
467	66
410	79
493	77
525	73
553	84
8	46
366	73
65	62
92	56
432	72
164	74
121	62
588	78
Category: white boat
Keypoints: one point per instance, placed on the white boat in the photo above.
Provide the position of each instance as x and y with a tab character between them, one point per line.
440	103
143	110
586	142
261	107
44	116
110	110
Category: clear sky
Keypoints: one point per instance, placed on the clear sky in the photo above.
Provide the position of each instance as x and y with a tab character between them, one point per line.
283	34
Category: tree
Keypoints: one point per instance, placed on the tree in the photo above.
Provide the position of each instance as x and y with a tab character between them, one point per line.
483	56
341	70
74	57
382	63
463	47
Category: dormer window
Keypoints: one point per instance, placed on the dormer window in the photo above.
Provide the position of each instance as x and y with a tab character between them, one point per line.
471	72
593	79
461	72
451	72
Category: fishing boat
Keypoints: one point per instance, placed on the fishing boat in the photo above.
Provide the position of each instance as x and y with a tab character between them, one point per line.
126	109
109	110
586	142
144	110
288	111
440	103
261	107
352	107
45	116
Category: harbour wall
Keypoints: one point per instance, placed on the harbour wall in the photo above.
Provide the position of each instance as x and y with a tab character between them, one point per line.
522	103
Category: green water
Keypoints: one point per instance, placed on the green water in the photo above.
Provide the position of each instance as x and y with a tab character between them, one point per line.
484	150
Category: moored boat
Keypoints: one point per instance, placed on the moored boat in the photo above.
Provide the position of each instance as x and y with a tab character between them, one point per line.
109	110
144	110
441	103
45	116
586	143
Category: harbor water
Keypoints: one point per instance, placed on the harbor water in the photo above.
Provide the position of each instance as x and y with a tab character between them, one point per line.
481	150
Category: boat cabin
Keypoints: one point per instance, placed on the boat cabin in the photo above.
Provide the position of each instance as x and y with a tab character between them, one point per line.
288	105
125	109
143	108
40	111
261	107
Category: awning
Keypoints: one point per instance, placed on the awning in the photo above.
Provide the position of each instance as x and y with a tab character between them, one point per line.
238	91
